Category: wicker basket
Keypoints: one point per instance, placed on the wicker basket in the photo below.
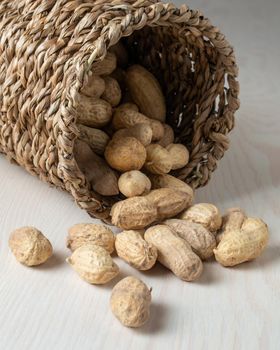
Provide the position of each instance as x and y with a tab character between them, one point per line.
46	51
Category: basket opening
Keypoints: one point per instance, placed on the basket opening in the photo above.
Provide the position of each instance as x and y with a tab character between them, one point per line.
194	78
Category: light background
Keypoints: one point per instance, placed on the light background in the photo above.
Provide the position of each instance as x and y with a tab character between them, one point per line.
51	308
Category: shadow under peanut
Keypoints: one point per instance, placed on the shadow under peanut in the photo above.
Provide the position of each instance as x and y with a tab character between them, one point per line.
158	320
55	261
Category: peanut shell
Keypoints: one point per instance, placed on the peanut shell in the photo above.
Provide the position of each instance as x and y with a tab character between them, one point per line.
142	132
130	302
112	93
83	234
169	181
93	112
205	214
95	138
133	213
179	155
243	244
146	92
125	154
134	183
30	246
94	264
174	252
199	238
158	160
169	202
132	248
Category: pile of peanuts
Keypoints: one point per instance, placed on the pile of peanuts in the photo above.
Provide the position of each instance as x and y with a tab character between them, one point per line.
180	244
124	142
125	146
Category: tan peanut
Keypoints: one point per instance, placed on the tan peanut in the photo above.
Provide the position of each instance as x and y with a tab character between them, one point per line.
169	202
101	177
120	51
169	181
179	155
95	138
133	213
132	248
158	159
130	302
134	183
199	238
112	93
243	244
83	234
105	66
125	118
168	136
146	92
205	214
125	154
30	246
174	252
93	264
93	112
94	86
231	221
142	132
138	212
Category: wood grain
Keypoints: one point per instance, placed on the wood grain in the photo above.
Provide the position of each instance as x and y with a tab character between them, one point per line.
49	307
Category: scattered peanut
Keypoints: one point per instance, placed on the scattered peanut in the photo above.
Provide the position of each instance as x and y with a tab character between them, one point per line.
30	246
179	155
125	154
199	238
130	302
94	264
242	244
134	183
205	214
174	252
133	249
231	221
83	234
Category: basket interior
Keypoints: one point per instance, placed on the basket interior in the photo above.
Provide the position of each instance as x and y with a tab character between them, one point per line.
194	80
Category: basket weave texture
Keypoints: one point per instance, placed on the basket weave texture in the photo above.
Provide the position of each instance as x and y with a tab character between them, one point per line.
46	52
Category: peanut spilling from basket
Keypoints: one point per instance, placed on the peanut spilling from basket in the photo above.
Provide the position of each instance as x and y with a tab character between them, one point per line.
125	149
124	144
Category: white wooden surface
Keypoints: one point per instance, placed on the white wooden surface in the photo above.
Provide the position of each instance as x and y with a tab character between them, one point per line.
51	308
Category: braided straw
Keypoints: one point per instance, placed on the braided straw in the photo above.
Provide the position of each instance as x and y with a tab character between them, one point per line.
46	52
